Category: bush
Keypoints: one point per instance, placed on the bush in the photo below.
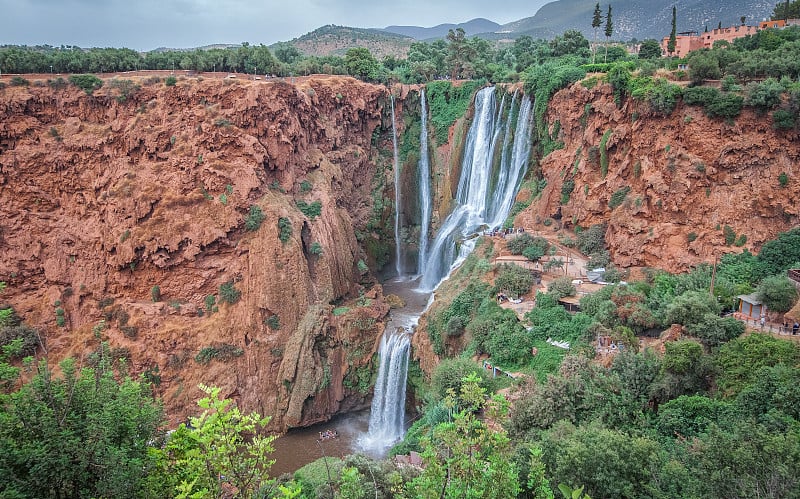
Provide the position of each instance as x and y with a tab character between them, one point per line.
450	374
19	81
618	197
513	280
170	81
777	293
566	190
764	95
155	293
222	351
285	229
663	96
516	245
783	179
273	321
315	249
729	234
312	210
726	105
592	240
86	82
229	293
305	186
561	287
783	119
700	96
254	218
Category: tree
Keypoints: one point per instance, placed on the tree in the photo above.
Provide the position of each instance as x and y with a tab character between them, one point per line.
597	21
650	49
360	63
672	38
460	54
464	457
777	293
223	446
609	30
81	434
571	42
786	10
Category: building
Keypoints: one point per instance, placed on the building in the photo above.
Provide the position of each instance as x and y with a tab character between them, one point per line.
778	23
691	40
750	307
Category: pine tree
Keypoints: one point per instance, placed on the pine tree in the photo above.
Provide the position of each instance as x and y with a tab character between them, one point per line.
672	37
609	31
597	21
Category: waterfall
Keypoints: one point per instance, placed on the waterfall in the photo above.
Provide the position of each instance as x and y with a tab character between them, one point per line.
479	201
386	420
398	257
424	188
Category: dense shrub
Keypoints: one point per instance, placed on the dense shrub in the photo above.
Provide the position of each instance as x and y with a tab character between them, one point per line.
285	229
726	105
513	280
312	210
592	240
777	292
561	287
229	293
700	96
764	95
254	218
86	82
618	197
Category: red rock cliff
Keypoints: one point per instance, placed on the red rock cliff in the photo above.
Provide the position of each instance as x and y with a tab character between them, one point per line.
103	197
687	174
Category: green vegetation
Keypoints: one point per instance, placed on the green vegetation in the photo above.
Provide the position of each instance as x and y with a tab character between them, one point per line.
312	210
155	293
86	82
254	218
447	103
284	229
170	81
604	152
273	321
229	293
222	352
315	248
618	197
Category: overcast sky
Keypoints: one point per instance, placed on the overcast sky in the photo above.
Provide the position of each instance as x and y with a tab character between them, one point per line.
148	24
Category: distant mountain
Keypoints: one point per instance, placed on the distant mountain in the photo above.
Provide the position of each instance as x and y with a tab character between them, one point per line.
472	27
336	40
639	19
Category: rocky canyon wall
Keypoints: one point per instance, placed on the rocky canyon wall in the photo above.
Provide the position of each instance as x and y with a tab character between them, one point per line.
671	184
129	207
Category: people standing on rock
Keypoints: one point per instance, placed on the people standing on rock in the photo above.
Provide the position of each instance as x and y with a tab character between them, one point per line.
763	321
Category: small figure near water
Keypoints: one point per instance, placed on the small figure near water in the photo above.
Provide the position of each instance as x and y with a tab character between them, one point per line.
328	435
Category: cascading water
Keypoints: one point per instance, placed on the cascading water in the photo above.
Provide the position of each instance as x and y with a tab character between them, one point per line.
398	256
424	188
387	416
484	197
479	201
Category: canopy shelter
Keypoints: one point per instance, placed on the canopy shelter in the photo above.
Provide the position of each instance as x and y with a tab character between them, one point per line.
751	306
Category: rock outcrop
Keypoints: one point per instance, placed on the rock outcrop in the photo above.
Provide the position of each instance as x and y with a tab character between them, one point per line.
130	209
687	177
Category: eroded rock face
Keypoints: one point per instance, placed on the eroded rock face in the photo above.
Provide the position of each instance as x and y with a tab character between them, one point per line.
689	176
103	198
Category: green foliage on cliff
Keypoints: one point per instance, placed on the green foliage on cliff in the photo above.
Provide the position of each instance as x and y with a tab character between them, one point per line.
447	103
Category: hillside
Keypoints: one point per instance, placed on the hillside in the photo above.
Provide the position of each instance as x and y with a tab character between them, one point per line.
639	19
336	40
472	27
